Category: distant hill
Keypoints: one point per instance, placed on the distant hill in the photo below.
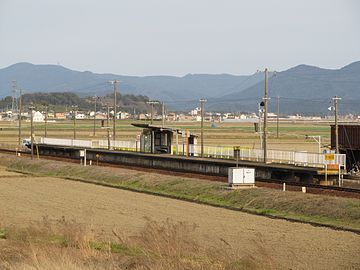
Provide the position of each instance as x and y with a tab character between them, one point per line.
303	89
53	78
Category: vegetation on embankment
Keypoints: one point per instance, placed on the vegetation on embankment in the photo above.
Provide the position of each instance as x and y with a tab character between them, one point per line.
333	211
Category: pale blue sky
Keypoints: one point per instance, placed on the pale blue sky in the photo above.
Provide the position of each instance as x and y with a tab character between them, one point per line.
176	37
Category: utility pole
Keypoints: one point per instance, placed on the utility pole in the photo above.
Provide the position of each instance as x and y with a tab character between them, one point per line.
107	115
163	115
336	109
94	130
277	118
108	125
202	102
152	102
74	118
266	98
260	130
46	118
20	109
31	108
114	83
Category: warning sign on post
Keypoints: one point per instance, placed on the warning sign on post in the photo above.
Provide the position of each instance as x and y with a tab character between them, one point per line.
329	156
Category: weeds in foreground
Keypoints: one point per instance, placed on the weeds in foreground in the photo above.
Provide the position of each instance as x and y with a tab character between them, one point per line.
63	244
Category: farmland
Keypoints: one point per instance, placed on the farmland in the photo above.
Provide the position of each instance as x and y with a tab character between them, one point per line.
151	231
291	134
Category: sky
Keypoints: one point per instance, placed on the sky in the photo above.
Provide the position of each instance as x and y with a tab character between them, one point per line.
177	37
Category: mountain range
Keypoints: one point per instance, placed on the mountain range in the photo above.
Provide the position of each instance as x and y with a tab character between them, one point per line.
303	89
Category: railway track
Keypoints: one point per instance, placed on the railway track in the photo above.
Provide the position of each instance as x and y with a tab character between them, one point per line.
268	183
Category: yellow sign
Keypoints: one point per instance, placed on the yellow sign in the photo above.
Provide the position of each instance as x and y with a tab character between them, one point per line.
329	156
236	148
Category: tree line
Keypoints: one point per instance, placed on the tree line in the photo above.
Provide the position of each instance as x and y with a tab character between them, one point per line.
62	101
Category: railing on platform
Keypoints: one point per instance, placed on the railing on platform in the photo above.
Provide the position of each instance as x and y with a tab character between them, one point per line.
224	152
273	156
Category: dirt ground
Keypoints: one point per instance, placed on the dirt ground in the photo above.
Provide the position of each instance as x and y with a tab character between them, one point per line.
290	245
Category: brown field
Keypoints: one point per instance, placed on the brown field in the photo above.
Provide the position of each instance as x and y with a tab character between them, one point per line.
270	243
291	135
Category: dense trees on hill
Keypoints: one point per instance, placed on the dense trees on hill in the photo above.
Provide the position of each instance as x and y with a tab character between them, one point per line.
62	100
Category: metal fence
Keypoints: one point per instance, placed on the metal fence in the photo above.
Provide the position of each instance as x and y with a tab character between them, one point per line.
273	156
224	152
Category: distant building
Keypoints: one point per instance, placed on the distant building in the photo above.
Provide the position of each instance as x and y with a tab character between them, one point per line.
80	116
142	116
60	115
38	117
172	116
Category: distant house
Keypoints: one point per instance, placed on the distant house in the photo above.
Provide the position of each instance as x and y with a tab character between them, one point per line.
38	117
80	116
100	115
142	116
60	115
171	116
51	115
122	115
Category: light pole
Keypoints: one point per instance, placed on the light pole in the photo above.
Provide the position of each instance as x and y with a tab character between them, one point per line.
202	102
74	107
260	105
95	100
31	108
277	117
114	83
20	111
163	115
266	98
46	118
317	139
336	109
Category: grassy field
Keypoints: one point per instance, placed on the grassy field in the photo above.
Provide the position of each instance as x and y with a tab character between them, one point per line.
291	135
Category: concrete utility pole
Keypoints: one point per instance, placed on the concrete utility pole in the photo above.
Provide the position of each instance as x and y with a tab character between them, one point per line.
152	102
336	110
202	107
108	125
74	118
260	130
266	98
163	115
277	118
31	108
94	129
115	84
46	118
20	111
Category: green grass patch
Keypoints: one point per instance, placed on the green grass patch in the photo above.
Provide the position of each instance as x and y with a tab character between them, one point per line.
2	234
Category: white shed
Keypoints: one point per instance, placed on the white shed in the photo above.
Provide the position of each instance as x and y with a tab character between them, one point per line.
38	117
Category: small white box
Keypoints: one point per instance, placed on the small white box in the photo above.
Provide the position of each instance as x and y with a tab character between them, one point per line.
241	176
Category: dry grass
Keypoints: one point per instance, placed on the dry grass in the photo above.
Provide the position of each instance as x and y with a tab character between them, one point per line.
63	244
342	212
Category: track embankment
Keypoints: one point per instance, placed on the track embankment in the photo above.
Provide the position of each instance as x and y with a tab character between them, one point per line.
334	212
